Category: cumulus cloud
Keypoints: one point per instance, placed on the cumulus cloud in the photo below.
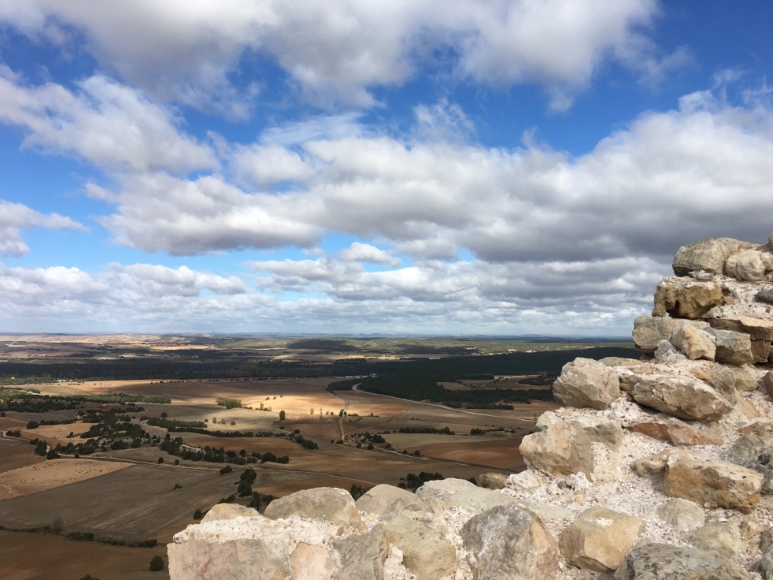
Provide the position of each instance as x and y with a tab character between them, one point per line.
437	297
159	212
118	295
359	252
337	50
668	178
266	164
103	122
15	217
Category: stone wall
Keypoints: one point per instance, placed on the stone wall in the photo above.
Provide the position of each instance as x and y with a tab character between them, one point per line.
654	469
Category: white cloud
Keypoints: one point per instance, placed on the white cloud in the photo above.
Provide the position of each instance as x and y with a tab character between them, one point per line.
432	296
15	217
117	295
667	179
103	122
159	212
359	252
267	164
337	50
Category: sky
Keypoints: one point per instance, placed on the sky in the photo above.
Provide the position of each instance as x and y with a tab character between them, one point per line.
422	167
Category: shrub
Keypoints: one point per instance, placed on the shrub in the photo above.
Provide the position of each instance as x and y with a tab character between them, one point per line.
32	425
282	415
89	577
244	488
228	403
197	515
164	415
52	454
160	459
156	564
226	469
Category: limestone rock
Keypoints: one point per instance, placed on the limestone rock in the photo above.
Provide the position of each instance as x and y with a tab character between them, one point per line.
561	449
666	562
681	514
712	483
508	543
423	539
686	298
627	363
308	562
653	429
767	380
200	560
693	343
327	504
755	452
527	480
492	480
734	348
599	539
682	435
667	354
678	433
724	537
586	382
461	493
360	556
387	501
708	255
765	295
759	330
744	381
652	464
723	379
766	540
682	397
610	433
228	511
746	265
766	565
649	330
747	408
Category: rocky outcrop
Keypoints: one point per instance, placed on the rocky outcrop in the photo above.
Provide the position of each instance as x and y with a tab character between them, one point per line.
586	383
760	333
648	331
561	449
733	348
707	256
599	539
326	504
712	483
492	480
755	452
686	298
682	397
693	342
722	537
680	514
665	562
509	543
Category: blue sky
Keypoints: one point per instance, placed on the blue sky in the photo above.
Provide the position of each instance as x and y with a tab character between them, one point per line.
490	167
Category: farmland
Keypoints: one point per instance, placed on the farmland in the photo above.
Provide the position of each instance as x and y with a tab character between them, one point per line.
99	456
